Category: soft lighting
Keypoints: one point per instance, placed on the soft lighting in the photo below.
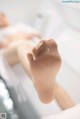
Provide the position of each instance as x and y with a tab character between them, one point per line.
8	103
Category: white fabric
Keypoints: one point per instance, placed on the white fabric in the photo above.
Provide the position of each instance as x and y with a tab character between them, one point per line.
10	30
15	76
72	113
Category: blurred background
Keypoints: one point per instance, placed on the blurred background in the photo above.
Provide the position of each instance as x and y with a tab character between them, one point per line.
52	19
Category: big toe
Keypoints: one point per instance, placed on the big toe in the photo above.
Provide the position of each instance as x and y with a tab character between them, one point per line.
51	45
39	49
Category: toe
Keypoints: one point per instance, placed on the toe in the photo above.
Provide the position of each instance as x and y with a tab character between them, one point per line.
34	51
39	49
30	57
40	45
51	45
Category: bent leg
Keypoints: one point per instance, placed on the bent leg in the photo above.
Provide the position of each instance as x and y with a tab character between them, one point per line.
60	93
63	98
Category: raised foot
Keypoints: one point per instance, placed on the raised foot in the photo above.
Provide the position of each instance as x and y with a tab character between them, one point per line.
45	62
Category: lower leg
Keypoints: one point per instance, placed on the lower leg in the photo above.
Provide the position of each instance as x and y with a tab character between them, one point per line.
60	93
22	56
63	98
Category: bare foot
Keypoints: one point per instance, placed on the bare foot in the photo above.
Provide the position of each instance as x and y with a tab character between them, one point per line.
44	64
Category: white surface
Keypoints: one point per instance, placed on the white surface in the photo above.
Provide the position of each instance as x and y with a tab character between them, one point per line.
17	28
73	113
20	10
71	5
24	88
68	76
17	78
69	47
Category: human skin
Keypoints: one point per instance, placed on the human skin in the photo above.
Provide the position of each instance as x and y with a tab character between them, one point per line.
16	52
18	36
45	62
57	92
72	113
4	22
